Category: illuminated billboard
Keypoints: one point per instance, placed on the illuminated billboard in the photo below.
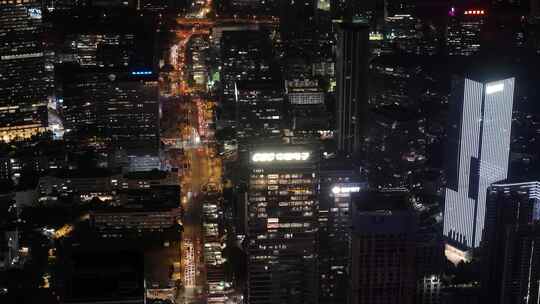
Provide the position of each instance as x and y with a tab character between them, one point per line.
338	189
280	156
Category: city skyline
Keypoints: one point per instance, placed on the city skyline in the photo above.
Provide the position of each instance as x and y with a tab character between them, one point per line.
269	152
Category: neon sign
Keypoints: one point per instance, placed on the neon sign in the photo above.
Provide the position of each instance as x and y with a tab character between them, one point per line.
283	156
474	12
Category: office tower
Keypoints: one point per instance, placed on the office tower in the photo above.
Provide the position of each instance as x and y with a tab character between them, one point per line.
339	182
141	213
282	202
464	29
245	55
259	110
110	108
511	272
352	70
383	247
94	37
309	117
23	79
479	147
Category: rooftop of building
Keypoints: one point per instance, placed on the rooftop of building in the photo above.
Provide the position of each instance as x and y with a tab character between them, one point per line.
382	200
259	85
85	173
101	275
92	19
147	175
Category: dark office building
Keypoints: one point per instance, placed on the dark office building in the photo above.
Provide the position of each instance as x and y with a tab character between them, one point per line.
383	248
339	182
511	243
112	108
282	203
245	55
352	73
297	20
259	109
99	275
95	37
23	79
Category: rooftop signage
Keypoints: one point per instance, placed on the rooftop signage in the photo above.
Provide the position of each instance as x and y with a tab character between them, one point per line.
280	156
339	189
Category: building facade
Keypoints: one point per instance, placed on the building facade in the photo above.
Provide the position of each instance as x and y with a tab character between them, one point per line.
245	56
114	108
23	79
511	269
383	248
281	239
339	182
352	73
479	148
259	110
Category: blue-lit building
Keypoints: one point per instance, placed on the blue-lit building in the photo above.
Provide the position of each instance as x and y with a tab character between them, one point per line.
479	148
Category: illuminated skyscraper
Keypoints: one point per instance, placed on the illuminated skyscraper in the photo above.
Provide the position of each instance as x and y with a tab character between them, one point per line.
479	147
23	81
282	203
352	71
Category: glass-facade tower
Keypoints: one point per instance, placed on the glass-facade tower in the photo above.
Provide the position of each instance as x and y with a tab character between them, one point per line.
479	143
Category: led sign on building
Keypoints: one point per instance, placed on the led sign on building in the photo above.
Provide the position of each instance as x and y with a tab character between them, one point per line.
474	12
345	189
494	88
283	156
141	73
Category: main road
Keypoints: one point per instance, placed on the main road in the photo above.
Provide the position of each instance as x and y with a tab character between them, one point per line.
198	154
198	157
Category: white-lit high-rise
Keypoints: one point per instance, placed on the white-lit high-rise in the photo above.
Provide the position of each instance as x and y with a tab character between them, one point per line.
479	142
